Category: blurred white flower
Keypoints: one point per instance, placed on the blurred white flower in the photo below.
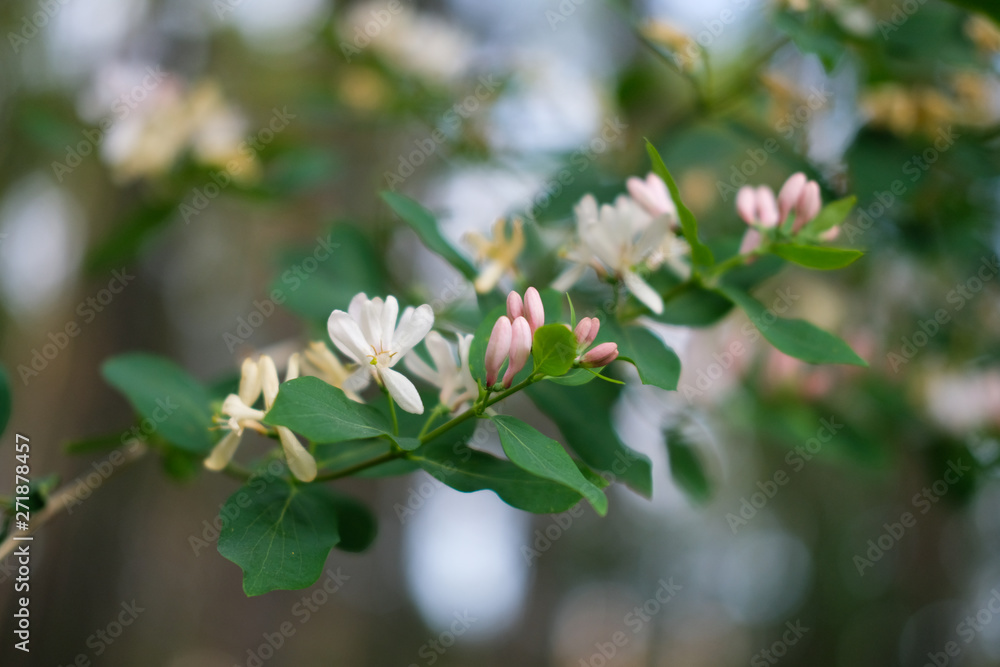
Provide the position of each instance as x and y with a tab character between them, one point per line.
453	379
620	239
413	41
146	138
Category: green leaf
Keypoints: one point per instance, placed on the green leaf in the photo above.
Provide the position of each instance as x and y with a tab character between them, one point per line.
322	413
5	399
832	215
575	377
657	364
796	338
686	467
279	534
163	393
544	457
324	276
426	227
816	257
583	415
128	236
355	523
97	443
469	470
694	306
700	253
553	349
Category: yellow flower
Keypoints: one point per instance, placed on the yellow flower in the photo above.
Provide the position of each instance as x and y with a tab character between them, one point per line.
324	364
676	40
498	255
984	33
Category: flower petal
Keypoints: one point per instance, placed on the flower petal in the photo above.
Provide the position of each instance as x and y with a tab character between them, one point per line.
643	292
413	326
249	382
292	369
388	321
268	379
422	369
357	305
442	354
402	390
223	452
233	407
300	461
346	335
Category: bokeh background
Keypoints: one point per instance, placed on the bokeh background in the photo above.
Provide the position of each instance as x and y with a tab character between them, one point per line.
117	118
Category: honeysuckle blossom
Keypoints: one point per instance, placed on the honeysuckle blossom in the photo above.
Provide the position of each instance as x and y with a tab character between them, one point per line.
619	239
175	118
257	378
499	255
325	365
300	461
455	380
369	334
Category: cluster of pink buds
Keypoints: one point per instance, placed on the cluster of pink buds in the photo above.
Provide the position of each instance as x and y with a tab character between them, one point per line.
599	355
512	335
760	208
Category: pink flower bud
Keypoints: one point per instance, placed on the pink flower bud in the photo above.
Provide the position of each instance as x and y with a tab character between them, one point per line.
809	205
586	331
746	204
520	348
534	311
652	195
767	206
831	234
600	355
515	307
751	240
790	193
497	348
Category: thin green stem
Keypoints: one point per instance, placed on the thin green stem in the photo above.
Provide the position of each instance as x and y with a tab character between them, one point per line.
364	465
236	471
477	409
440	409
392	413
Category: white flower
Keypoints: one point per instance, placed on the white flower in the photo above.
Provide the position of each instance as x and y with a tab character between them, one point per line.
453	379
619	239
256	378
368	334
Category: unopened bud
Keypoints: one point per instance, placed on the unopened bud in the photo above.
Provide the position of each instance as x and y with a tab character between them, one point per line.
520	348
534	311
497	349
586	331
600	355
515	307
